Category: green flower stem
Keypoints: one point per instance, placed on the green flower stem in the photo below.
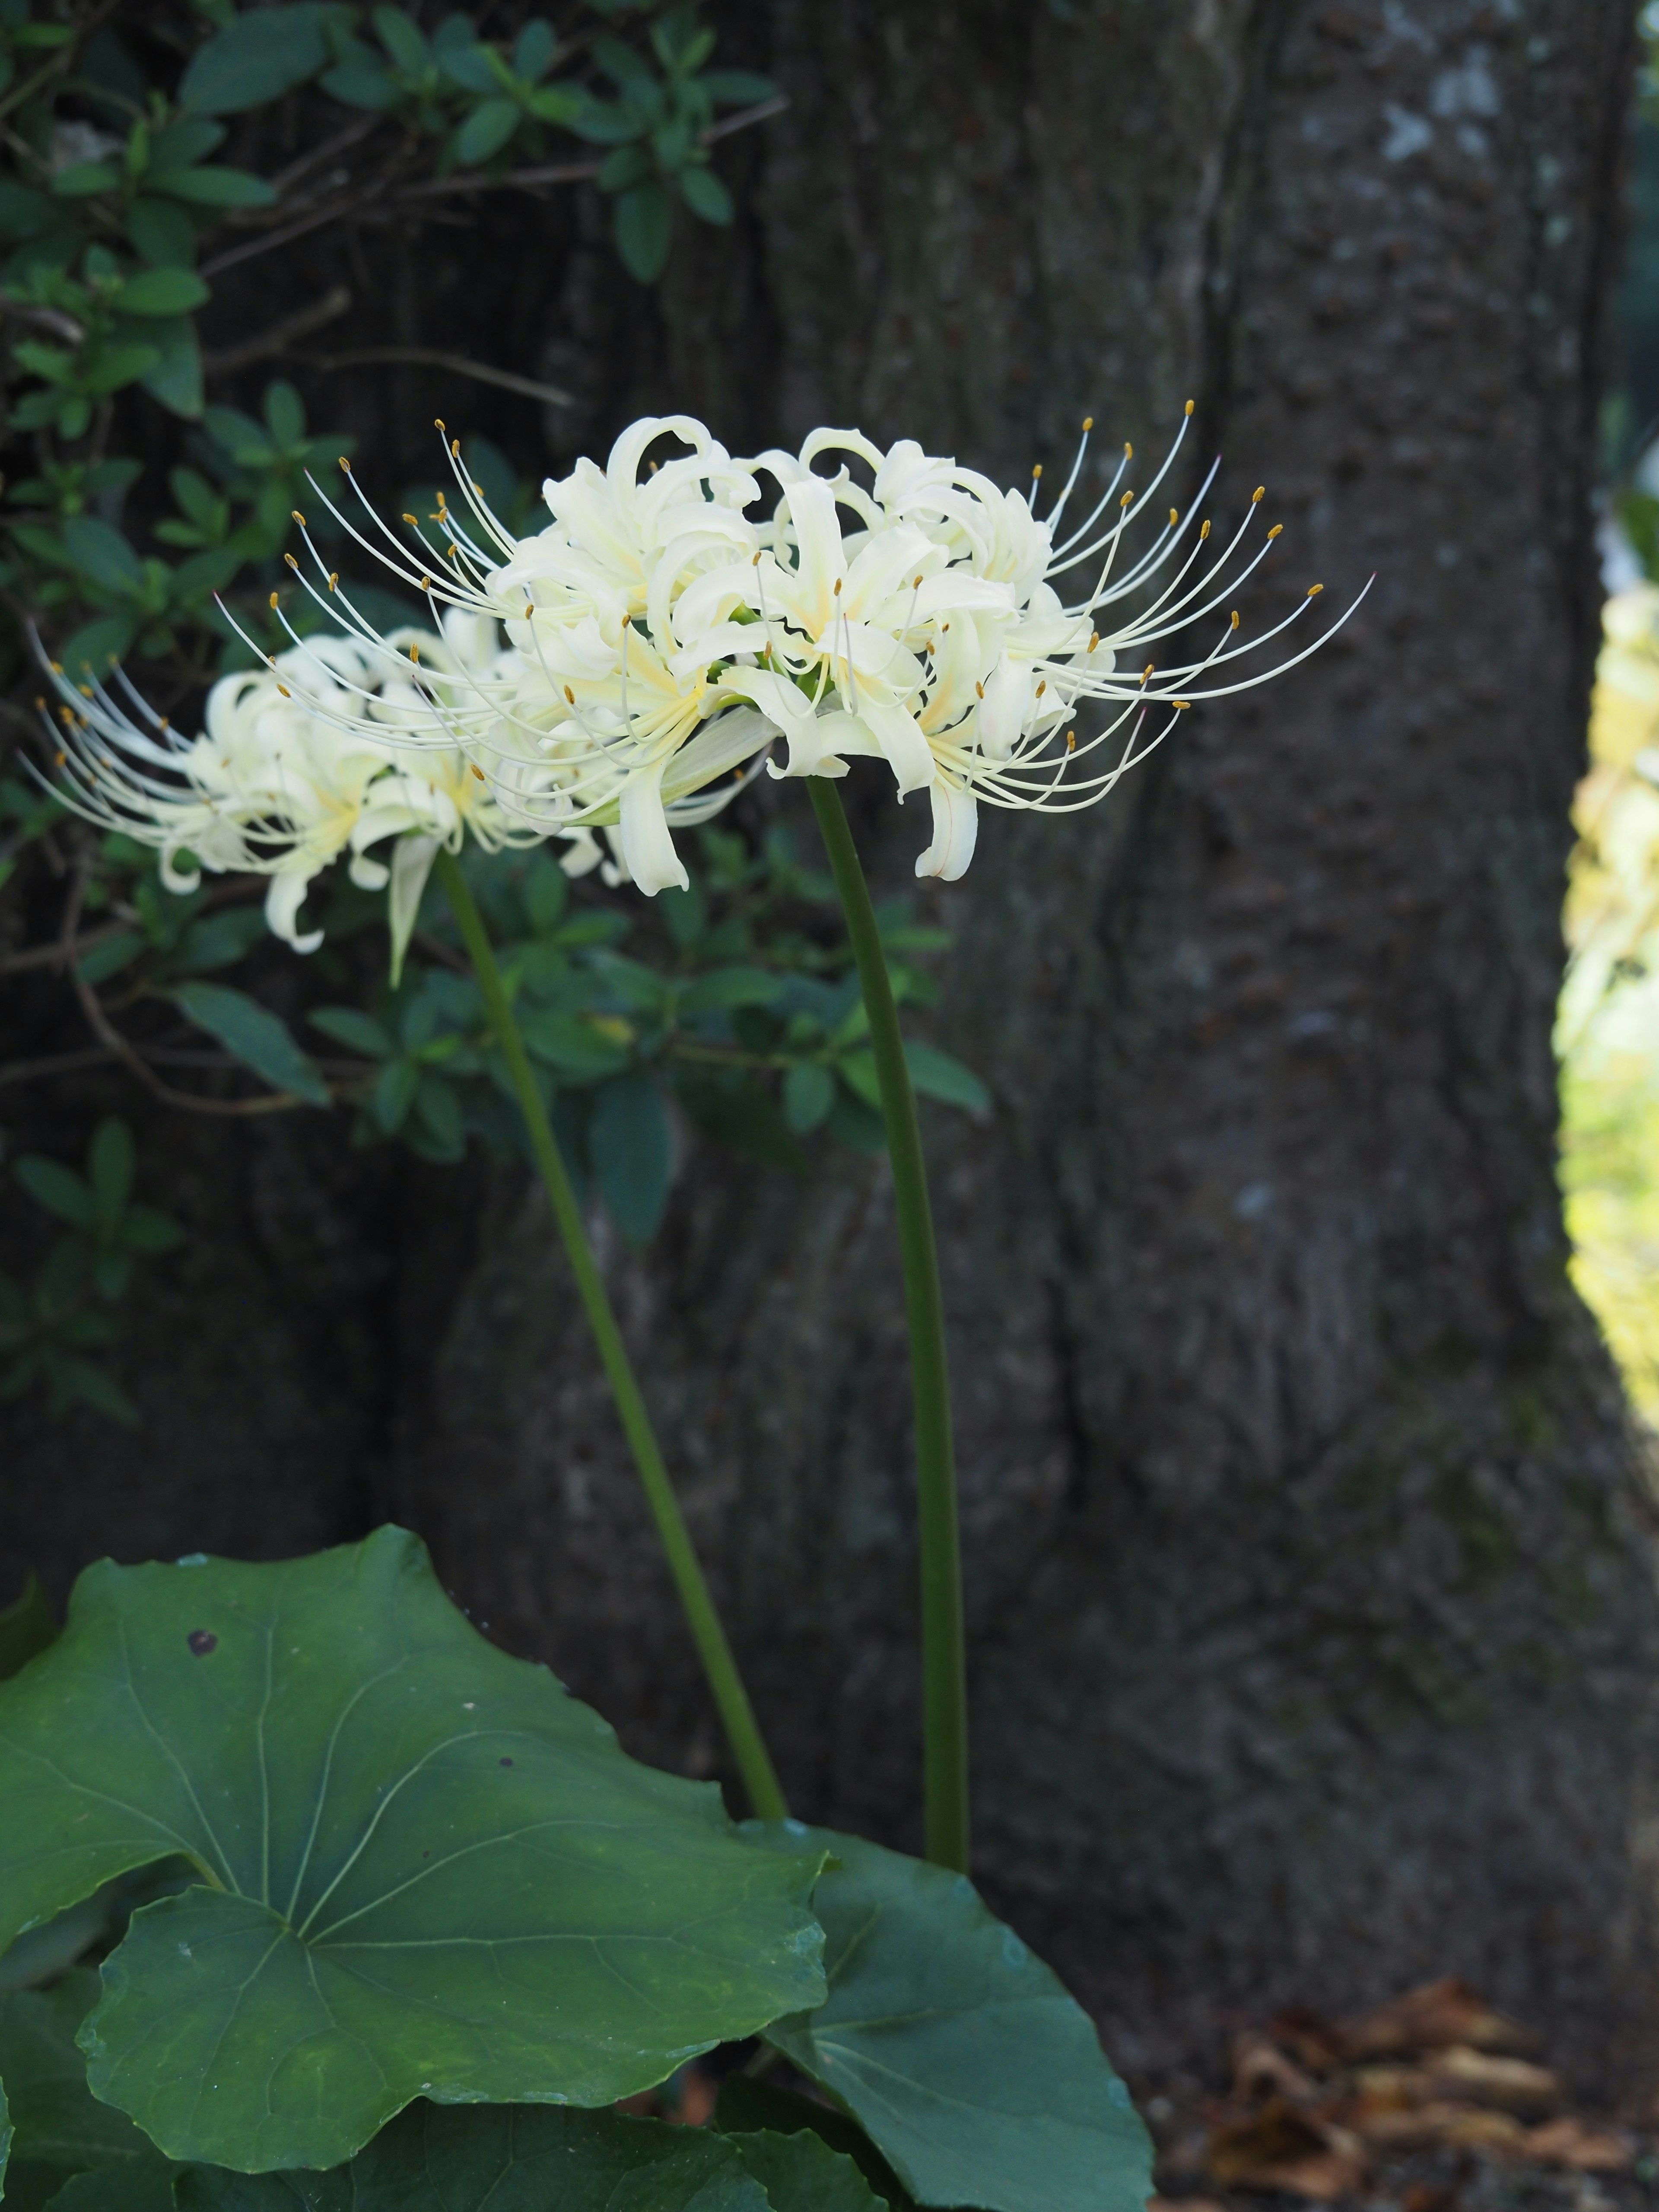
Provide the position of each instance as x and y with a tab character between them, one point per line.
737	1714
945	1668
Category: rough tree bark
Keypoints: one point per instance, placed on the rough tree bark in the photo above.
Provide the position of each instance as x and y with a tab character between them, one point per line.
1311	1593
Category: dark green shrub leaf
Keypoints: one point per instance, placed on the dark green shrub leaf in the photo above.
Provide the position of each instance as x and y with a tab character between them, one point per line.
809	1092
641	223
265	53
253	1034
27	1627
84	180
724	988
935	1074
58	1188
114	953
403	40
176	377
145	1228
102	555
629	1145
573	1048
163	232
162	292
706	195
977	2077
486	130
487	2160
437	1874
90	651
731	1107
110	1164
735	88
360	82
358	1032
219	188
61	2128
78	1382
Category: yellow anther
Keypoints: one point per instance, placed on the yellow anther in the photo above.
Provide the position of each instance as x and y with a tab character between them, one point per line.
1071	747
333	579
413	521
298	517
440	503
283	688
414	654
1146	673
345	464
58	758
1174	517
1191	403
754	563
56	667
476	770
1182	705
1128	452
85	689
165	724
477	491
1235	620
455	449
570	696
836	594
66	716
1313	590
1094	639
1042	687
273	603
425	583
916	584
1126	500
1203	531
1258	494
1036	471
438	422
1274	532
1088	423
978	687
292	562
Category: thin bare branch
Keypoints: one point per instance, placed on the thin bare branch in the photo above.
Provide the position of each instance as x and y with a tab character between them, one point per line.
457	364
277	336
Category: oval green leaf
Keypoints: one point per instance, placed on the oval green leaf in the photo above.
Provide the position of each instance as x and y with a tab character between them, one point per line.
256	1037
977	2077
429	1871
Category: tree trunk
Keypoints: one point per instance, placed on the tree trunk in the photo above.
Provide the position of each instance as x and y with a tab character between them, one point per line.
1309	1571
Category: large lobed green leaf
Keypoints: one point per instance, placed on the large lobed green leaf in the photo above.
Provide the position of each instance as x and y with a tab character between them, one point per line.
978	2078
522	2160
61	2130
424	1869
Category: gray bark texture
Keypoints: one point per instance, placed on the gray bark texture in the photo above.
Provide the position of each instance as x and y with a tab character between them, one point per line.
1311	1595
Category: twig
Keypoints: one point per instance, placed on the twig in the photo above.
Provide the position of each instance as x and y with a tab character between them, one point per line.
761	111
273	239
457	364
58	1063
548	173
279	334
341	142
58	954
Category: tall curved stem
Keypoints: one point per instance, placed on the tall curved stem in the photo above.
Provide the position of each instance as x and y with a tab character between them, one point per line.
737	1714
945	1669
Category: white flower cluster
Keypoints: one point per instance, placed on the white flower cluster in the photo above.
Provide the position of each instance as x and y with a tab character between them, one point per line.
626	669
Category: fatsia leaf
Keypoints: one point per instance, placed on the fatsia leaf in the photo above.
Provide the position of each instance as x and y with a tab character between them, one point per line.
430	1872
801	2173
61	2129
27	1627
748	2107
513	2160
977	2077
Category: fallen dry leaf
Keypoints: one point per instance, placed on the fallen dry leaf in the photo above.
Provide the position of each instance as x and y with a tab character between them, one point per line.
1434	2017
1280	2148
1262	2069
1513	2085
1569	2142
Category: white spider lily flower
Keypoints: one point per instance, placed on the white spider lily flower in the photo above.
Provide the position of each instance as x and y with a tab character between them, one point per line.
918	620
600	713
659	640
288	774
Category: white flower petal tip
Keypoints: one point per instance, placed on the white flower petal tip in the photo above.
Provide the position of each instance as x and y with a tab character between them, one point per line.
956	830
